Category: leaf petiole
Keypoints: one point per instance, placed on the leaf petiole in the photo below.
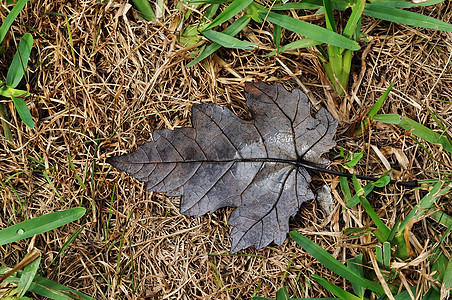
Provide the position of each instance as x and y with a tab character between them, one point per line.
306	165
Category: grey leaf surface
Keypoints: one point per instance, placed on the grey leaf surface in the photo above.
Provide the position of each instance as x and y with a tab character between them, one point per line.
250	165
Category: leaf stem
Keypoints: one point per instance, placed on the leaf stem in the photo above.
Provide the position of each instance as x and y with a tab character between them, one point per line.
306	165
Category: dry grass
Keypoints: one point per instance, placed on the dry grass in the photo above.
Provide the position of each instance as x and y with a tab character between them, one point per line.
124	77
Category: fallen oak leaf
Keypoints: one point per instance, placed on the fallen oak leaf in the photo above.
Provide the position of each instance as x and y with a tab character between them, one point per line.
253	165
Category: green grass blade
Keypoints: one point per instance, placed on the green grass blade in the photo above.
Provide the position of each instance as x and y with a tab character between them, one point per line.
345	188
438	264
282	294
370	211
356	265
233	9
337	5
417	129
145	9
356	157
387	255
227	40
447	281
11	17
379	254
382	181
404	3
331	263
27	277
50	289
355	199
374	109
355	18
405	17
66	245
334	289
432	294
442	218
262	298
303	43
211	11
405	295
402	250
329	16
277	36
39	225
197	2
23	111
308	4
7	91
311	31
232	30
17	68
393	230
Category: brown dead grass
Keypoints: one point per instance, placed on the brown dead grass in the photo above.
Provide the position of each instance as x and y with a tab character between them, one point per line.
124	77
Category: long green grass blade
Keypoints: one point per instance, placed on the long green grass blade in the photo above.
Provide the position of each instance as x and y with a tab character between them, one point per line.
277	36
417	129
356	265
385	231
39	225
354	19
233	9
334	289
211	11
23	111
17	68
329	15
50	289
282	294
145	9
227	40
11	17
232	30
309	4
197	2
404	3
309	30
401	16
303	43
27	277
331	263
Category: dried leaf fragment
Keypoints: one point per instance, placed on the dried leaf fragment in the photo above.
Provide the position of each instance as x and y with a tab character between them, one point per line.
250	165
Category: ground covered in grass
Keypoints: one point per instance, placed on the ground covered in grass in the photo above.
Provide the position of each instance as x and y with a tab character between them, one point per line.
102	79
